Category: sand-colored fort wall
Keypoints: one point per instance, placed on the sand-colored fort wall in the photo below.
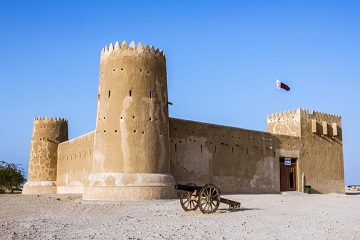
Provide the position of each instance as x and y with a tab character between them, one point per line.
136	150
234	159
323	162
286	123
131	139
320	161
46	135
75	163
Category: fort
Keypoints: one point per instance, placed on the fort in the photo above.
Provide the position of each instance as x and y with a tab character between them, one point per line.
138	152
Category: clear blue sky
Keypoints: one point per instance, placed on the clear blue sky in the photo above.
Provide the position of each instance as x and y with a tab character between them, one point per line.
222	61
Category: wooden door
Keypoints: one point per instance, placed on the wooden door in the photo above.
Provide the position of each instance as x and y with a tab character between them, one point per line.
288	176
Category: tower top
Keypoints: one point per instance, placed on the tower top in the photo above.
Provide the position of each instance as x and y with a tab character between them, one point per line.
132	48
55	119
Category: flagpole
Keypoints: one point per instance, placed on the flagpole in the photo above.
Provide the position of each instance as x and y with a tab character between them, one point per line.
276	98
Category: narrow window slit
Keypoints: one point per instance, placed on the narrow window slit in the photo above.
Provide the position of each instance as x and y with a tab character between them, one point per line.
130	93
150	94
109	94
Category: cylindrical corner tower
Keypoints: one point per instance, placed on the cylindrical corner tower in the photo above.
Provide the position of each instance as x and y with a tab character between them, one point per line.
47	134
131	144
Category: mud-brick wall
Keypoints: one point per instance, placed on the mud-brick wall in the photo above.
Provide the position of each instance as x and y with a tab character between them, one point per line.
236	160
322	155
75	163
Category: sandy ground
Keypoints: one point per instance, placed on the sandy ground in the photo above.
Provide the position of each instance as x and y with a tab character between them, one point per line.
290	215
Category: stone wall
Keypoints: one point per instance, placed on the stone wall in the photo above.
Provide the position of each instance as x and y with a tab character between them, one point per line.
46	135
131	139
320	161
322	154
75	163
234	159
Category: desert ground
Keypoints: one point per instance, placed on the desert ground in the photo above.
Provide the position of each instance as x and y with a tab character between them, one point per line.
290	215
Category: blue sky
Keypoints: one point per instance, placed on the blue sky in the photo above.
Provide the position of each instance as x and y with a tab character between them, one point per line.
222	61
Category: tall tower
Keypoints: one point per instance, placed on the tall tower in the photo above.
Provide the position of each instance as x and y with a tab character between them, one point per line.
131	143
47	134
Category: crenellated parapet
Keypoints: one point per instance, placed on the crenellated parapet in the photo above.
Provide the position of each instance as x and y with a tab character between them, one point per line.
281	115
50	119
285	123
300	123
131	49
319	116
322	124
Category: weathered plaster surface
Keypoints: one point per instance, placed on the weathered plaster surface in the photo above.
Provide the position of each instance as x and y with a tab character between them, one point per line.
75	163
136	150
234	159
131	135
47	134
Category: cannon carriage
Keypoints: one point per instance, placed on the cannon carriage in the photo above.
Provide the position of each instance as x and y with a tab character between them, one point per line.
206	198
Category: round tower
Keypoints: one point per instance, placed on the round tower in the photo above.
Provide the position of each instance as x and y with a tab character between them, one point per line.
47	134
131	143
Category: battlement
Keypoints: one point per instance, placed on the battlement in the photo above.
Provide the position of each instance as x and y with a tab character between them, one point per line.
55	119
282	115
320	116
304	113
132	48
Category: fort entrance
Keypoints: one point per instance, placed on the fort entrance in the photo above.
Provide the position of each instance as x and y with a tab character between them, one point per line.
288	174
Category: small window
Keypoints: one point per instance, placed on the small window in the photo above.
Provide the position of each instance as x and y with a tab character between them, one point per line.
109	94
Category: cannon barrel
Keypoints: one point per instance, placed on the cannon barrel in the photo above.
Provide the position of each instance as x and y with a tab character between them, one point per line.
188	188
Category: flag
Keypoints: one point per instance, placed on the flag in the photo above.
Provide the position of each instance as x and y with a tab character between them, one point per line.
279	85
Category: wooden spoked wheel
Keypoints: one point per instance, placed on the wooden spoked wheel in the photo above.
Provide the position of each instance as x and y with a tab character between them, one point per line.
189	200
209	199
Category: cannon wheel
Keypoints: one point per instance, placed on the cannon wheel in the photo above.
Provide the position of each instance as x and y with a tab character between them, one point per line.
189	200
209	199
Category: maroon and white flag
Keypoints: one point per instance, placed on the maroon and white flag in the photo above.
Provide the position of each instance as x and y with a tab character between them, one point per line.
279	85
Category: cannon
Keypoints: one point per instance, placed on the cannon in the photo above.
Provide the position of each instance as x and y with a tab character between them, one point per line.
207	198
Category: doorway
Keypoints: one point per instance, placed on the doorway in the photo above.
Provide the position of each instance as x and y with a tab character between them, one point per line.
288	174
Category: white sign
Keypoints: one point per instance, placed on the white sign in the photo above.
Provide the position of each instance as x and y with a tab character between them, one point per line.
287	161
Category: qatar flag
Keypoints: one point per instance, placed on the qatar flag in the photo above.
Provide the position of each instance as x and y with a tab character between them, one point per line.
279	85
